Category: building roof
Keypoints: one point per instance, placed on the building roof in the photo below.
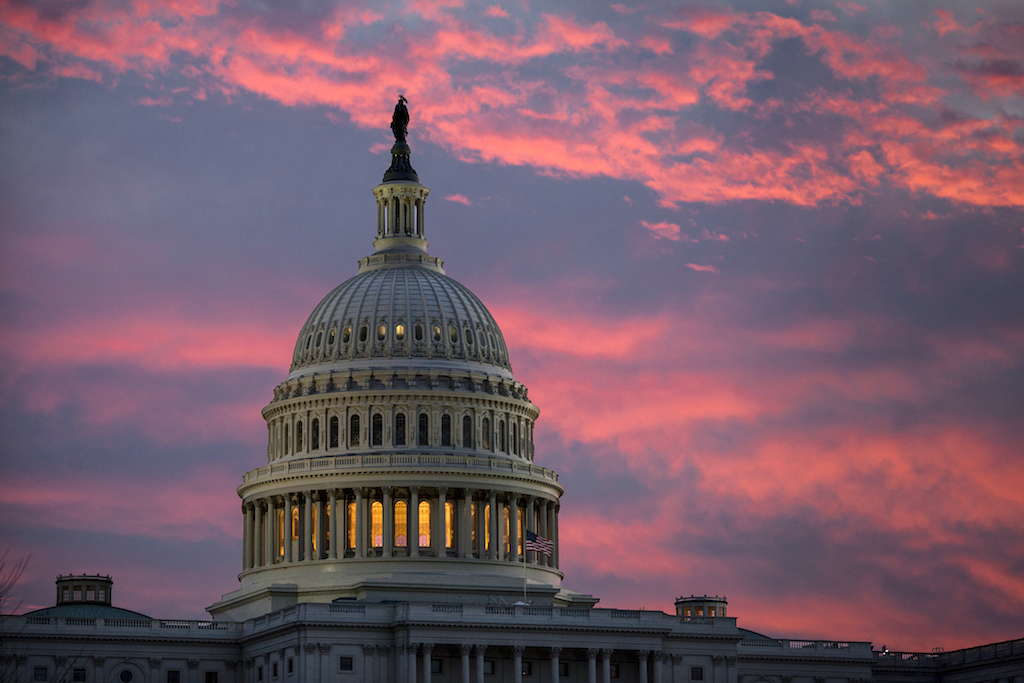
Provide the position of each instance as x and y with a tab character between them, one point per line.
86	610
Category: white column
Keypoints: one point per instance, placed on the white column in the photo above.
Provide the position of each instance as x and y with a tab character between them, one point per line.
333	539
307	526
592	665
606	666
270	552
411	662
658	656
500	515
480	650
464	650
555	651
513	528
531	555
360	523
427	649
466	527
492	523
389	523
257	534
414	521
439	539
287	528
517	663
642	659
247	530
542	525
321	526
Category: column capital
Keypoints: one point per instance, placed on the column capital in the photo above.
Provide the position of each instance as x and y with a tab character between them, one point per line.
368	650
316	496
592	653
465	648
309	647
414	490
658	656
718	659
388	490
642	655
325	647
555	651
677	659
442	490
518	650
480	649
606	653
193	664
427	647
383	649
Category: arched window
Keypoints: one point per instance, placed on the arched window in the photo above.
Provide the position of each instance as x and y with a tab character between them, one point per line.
437	333
331	335
295	523
350	526
449	524
487	527
319	338
346	335
453	334
363	333
287	443
280	532
424	430
353	431
399	331
311	532
417	332
425	524
378	430
382	332
334	431
515	438
501	436
485	429
401	523
400	429
446	430
505	521
314	434
467	432
377	523
298	437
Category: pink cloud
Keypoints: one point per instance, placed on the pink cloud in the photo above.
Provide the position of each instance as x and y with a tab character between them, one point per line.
663	230
497	12
459	198
701	268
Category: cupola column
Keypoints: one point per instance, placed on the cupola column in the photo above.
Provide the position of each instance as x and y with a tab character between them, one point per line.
332	518
414	521
247	527
360	523
513	527
492	523
466	525
321	526
441	527
307	524
531	555
258	535
500	515
287	540
270	554
388	542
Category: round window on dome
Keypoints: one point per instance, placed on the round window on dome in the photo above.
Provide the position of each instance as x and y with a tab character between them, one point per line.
418	332
399	331
309	341
346	336
382	332
363	333
437	333
469	336
319	338
453	334
330	336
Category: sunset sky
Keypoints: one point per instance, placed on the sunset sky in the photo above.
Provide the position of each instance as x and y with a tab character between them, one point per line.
760	264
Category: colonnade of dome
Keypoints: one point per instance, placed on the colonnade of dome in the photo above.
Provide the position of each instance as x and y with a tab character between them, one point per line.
389	522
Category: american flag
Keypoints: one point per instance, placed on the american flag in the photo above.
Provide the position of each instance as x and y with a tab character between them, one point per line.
539	544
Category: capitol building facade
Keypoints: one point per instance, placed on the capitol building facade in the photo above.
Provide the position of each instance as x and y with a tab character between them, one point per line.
402	529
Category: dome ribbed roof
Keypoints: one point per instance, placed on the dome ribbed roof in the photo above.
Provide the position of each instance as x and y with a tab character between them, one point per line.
396	313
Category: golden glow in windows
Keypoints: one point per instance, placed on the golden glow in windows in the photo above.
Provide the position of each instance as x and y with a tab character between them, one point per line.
425	510
401	523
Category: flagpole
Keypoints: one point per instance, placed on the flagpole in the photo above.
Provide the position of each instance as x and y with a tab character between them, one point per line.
524	571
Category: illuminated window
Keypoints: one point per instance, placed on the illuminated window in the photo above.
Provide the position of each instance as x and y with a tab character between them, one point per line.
485	430
453	334
437	333
298	437
330	336
67	594
295	523
334	431
346	335
382	332
90	594
400	429
446	430
401	523
76	593
314	434
353	431
519	521
425	524
378	429
377	523
449	524
350	541
312	531
424	430
467	432
101	594
487	525
280	533
399	331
